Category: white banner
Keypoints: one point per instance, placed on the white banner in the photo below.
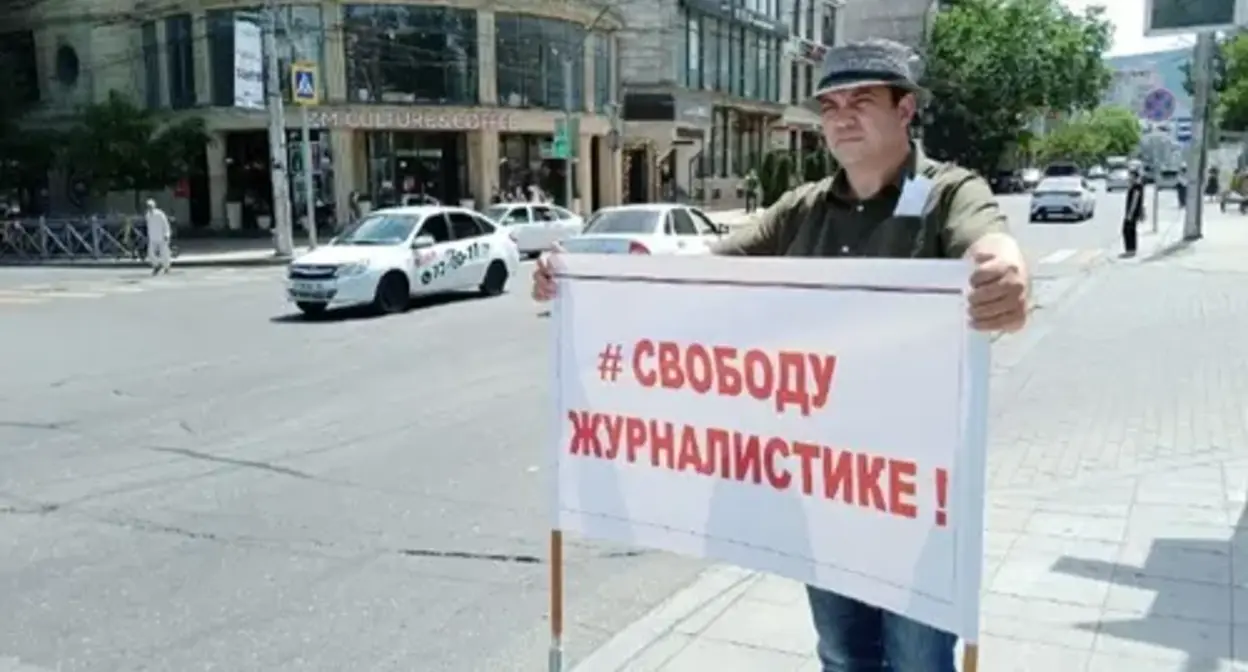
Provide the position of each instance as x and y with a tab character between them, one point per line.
248	66
823	420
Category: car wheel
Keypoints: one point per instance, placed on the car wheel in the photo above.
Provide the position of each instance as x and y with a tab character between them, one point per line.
495	279
393	294
311	309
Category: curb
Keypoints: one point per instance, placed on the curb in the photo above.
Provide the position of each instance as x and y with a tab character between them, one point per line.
722	584
184	263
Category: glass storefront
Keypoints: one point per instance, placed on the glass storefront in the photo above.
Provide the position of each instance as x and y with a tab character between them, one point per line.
408	167
521	166
530	53
300	36
322	168
411	54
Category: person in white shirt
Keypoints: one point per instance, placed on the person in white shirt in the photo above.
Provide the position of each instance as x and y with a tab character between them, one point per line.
159	254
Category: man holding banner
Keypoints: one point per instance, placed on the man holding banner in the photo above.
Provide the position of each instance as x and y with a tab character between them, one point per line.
890	201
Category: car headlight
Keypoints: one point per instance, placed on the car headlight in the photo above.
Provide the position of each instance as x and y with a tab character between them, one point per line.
354	268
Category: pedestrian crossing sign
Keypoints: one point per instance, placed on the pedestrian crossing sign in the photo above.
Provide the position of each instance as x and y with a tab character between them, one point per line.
303	89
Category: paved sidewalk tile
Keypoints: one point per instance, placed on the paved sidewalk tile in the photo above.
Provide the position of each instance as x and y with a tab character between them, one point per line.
1118	478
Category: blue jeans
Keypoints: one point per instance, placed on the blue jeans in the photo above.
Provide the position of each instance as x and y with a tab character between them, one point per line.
857	637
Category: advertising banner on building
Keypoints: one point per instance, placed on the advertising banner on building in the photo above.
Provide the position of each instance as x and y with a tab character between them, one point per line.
248	66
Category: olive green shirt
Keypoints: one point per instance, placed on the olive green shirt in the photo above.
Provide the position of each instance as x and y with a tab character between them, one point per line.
825	219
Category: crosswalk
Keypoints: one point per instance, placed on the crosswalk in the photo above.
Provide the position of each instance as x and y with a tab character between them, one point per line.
125	284
1077	258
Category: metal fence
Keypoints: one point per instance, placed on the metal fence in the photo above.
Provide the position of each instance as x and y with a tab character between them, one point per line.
48	239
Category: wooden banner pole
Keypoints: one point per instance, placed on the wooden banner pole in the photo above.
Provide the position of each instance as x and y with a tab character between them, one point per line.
556	601
970	658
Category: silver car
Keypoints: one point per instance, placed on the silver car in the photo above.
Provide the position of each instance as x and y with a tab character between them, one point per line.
1118	179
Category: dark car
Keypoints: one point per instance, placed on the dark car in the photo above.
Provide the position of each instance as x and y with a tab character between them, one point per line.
1006	182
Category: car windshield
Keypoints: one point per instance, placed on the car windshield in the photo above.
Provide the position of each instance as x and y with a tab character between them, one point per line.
378	229
497	212
1061	170
630	220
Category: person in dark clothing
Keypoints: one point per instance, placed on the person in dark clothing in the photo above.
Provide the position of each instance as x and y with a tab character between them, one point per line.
1133	215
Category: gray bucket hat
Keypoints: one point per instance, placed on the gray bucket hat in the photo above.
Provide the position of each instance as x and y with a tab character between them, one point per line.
873	62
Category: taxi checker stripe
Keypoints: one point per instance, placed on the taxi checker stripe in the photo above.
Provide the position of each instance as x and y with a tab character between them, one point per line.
832	287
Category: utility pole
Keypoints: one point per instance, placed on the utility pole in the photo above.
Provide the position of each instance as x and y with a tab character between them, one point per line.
1202	92
283	238
569	106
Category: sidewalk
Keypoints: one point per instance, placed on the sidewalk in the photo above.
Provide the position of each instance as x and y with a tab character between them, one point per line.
193	253
1118	475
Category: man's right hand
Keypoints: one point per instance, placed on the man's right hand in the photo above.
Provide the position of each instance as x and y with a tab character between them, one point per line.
544	277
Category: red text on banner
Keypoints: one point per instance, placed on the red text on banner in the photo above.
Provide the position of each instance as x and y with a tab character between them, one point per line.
858	478
789	378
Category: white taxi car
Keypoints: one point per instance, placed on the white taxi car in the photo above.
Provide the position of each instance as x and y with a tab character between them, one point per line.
650	228
1069	198
536	226
392	255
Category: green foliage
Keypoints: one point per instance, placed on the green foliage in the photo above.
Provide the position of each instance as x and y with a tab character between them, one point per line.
774	176
994	65
123	147
817	165
1092	137
1232	105
24	152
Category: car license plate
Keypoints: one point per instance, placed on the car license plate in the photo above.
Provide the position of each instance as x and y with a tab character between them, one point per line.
312	290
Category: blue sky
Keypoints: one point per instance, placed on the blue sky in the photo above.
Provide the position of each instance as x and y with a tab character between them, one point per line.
1128	19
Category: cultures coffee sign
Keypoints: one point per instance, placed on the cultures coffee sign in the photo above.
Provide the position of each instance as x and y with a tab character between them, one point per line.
411	119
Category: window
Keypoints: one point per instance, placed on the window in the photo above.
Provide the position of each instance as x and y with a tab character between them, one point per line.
180	43
682	223
751	71
797	14
710	53
695	55
436	227
411	54
829	25
507	215
704	223
151	65
530	55
542	213
682	50
809	28
464	225
17	50
301	37
603	84
725	57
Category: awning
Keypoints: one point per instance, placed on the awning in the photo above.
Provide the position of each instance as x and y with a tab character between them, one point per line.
798	119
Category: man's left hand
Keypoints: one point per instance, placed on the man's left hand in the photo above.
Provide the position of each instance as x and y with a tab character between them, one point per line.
998	298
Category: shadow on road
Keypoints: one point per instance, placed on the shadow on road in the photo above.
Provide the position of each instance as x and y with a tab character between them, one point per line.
367	313
1202	564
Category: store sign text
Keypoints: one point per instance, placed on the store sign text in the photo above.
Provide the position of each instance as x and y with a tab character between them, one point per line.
434	120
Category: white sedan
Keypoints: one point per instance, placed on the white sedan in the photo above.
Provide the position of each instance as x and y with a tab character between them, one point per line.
392	255
536	227
651	228
1070	198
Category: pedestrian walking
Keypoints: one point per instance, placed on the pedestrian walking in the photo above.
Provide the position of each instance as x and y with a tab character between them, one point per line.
751	191
159	233
887	200
1133	214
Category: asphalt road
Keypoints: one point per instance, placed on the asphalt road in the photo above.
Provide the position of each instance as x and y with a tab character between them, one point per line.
194	479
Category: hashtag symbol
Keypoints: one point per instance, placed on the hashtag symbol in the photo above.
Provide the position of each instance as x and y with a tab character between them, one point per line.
609	363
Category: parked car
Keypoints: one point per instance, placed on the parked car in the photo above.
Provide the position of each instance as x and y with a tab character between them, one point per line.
536	227
1030	178
1062	169
1063	198
649	228
1118	179
1006	182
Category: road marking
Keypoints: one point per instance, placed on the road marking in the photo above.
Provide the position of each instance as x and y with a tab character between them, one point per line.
19	300
1059	256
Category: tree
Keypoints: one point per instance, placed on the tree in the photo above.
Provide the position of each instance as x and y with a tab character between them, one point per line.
994	65
1119	128
25	153
1231	88
119	146
1089	138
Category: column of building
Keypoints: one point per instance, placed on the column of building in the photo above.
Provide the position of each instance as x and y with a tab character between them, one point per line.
346	147
610	165
483	144
219	215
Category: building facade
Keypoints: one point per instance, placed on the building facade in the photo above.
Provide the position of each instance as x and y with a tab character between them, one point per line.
457	101
709	87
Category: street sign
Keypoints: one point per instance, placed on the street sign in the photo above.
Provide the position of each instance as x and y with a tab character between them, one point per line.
1183	129
303	89
1181	17
567	131
1158	105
